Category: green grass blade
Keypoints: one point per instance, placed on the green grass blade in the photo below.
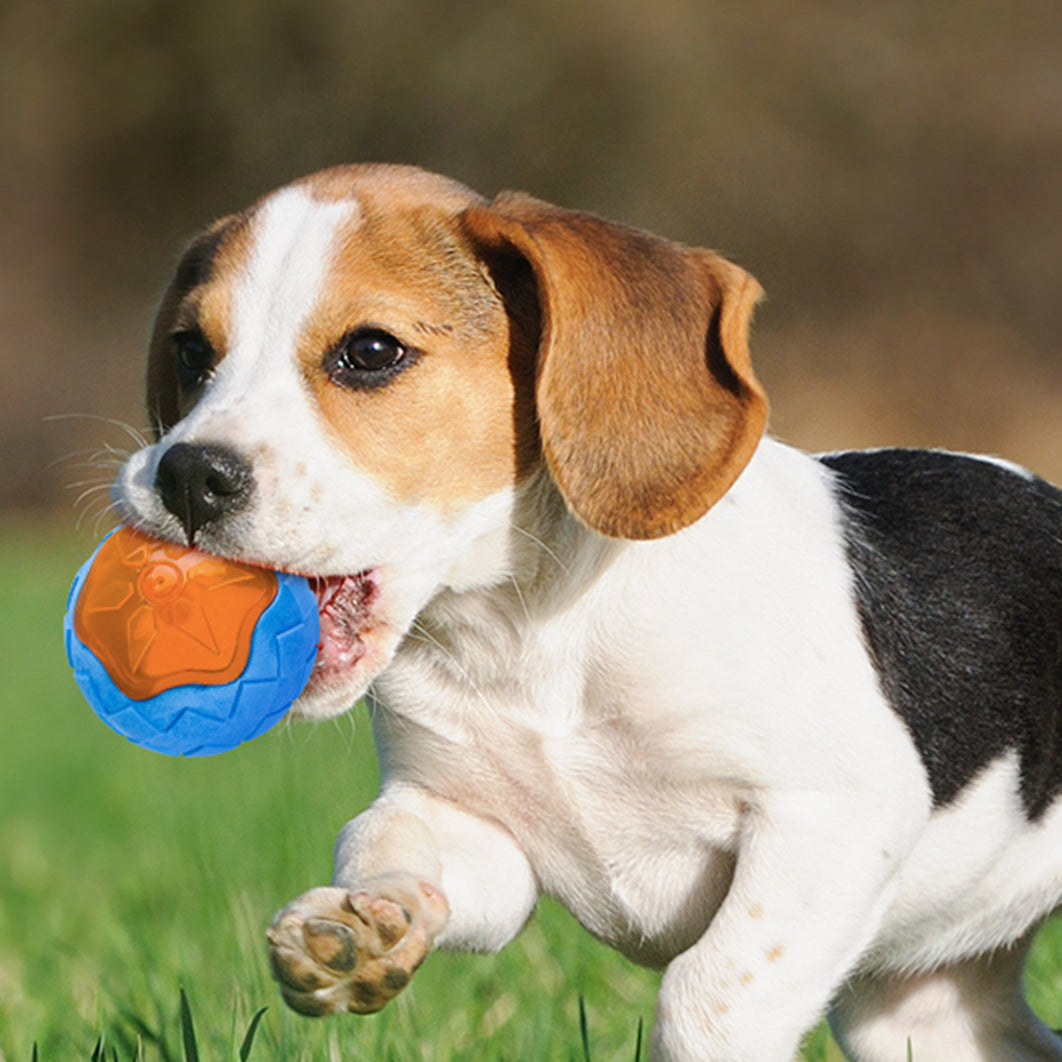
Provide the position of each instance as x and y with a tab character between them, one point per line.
248	1040
145	1032
97	1051
638	1041
584	1029
191	1048
34	1055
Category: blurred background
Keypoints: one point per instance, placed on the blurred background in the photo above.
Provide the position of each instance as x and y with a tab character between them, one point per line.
889	171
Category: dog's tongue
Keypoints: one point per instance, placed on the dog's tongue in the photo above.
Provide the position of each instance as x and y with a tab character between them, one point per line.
343	604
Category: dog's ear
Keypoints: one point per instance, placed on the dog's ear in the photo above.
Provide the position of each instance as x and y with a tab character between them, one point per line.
647	403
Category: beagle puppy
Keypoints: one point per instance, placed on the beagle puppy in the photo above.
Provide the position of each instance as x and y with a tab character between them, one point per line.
786	726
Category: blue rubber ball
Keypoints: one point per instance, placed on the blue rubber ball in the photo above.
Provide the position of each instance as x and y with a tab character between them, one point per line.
138	601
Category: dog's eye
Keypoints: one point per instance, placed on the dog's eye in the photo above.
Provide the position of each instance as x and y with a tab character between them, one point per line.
366	358
193	357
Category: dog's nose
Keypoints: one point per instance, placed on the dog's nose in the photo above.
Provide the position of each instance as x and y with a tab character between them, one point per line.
200	483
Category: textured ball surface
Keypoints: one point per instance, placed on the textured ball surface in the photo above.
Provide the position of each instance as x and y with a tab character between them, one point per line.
183	652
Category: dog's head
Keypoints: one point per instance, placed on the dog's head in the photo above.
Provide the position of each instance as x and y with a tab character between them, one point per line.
355	378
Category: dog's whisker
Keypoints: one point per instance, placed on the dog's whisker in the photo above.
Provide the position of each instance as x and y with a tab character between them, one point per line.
101	484
92	507
91	483
107	510
543	546
517	589
104	458
421	633
89	493
140	439
95	458
103	467
89	497
89	490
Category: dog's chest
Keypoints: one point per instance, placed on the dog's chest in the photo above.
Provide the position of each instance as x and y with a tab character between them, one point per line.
642	860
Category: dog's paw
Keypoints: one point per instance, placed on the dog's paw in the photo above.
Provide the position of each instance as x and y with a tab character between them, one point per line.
332	950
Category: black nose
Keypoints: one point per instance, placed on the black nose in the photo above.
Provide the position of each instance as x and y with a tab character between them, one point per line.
198	484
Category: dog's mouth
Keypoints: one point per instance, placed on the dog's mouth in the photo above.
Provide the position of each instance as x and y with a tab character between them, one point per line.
344	605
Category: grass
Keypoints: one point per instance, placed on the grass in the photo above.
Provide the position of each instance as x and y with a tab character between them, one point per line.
128	879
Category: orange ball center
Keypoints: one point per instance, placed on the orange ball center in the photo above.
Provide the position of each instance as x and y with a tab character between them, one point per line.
157	615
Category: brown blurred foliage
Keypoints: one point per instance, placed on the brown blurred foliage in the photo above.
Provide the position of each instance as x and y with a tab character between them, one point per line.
889	171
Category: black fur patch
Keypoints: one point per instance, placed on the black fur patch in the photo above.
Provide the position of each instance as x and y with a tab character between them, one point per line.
958	566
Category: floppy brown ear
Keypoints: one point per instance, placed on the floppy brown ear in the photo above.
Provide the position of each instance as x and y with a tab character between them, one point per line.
647	403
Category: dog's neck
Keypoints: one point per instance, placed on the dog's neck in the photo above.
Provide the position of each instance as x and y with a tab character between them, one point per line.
512	579
543	555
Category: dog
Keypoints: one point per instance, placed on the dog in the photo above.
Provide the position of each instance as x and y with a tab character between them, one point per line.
786	726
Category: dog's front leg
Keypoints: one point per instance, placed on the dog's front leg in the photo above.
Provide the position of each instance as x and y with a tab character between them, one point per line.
411	872
813	879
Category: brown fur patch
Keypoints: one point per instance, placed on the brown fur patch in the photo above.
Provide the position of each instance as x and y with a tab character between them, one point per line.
395	188
457	424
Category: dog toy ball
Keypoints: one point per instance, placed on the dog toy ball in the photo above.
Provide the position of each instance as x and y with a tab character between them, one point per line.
186	653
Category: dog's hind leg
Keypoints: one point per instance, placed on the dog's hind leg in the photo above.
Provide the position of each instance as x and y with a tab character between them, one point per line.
973	1011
